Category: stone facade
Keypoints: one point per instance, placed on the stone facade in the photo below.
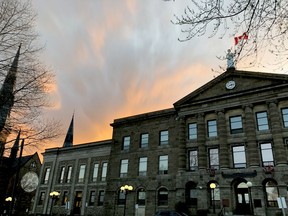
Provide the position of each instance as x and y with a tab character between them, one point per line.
230	134
79	188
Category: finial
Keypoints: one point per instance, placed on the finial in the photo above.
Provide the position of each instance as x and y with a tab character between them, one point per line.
230	59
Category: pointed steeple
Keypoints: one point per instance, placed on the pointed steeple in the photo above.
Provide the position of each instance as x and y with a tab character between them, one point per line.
6	91
68	142
15	148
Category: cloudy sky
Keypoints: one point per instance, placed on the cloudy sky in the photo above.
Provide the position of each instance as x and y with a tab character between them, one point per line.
119	58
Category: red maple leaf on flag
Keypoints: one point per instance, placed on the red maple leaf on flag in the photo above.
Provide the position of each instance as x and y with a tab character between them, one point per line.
244	36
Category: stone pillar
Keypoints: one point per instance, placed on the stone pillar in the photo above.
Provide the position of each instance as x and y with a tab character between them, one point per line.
182	146
201	138
222	134
276	131
250	130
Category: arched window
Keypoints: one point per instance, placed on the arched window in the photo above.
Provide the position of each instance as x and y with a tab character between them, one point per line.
271	191
141	197
191	193
162	197
121	197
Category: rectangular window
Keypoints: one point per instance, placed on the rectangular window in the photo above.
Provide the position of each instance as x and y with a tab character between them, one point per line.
101	198
64	198
214	158
285	117
193	160
46	175
239	156
236	125
95	172
192	131
142	166
62	173
104	171
124	168
41	198
262	121
144	140
81	173
163	164
69	172
126	143
212	128
164	137
92	198
267	154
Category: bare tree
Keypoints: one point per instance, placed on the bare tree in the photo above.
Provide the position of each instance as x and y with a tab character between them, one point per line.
34	80
265	22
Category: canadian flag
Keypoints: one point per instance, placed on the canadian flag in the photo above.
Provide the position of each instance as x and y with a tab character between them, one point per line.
242	37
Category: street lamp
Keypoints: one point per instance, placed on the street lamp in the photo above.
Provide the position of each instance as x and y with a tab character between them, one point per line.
212	187
54	195
126	189
249	185
8	200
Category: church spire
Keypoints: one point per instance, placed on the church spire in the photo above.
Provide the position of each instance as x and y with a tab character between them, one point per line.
15	148
68	142
6	92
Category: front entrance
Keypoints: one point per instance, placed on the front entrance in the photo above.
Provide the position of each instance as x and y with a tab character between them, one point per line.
242	199
77	203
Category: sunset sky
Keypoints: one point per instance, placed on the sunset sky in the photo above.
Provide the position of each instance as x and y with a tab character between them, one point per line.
119	58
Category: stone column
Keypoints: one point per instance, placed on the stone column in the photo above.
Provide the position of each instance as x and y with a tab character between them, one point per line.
182	145
250	130
276	131
223	146
201	138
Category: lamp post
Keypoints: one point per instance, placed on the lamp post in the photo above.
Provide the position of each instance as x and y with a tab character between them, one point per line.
212	187
249	185
54	195
126	189
8	200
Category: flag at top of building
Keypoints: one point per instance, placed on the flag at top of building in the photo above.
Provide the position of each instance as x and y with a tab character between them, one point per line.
237	39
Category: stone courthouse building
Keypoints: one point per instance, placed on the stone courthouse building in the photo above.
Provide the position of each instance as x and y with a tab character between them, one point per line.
222	148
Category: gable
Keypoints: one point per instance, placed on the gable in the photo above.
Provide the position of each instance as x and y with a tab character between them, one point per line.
233	82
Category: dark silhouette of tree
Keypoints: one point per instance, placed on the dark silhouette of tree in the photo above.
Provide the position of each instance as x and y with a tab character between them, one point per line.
34	79
265	22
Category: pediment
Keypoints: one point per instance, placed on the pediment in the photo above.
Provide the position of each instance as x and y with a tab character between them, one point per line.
240	82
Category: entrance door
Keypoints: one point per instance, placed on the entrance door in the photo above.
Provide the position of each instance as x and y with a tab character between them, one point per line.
77	202
242	199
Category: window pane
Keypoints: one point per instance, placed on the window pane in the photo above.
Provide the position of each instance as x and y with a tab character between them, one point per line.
62	172
68	179
212	128
124	168
192	131
143	166
285	117
267	154
262	121
271	193
81	173
141	196
144	140
46	176
163	164
164	137
239	157
92	198
126	143
101	198
236	124
214	158
95	172
193	160
104	171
